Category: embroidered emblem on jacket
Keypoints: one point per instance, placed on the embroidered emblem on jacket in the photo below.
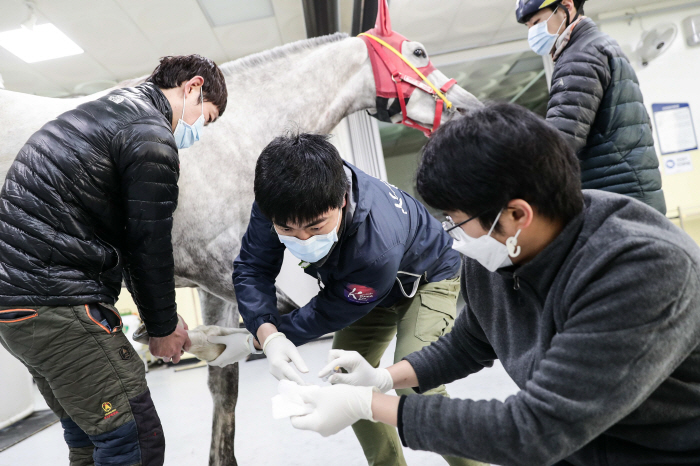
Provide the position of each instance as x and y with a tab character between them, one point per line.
360	294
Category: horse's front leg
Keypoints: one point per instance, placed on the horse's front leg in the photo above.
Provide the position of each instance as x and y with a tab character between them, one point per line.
223	384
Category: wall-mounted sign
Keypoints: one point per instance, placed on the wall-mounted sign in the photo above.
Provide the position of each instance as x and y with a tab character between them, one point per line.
674	128
679	163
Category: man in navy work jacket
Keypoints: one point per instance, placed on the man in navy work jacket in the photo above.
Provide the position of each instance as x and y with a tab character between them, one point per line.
384	265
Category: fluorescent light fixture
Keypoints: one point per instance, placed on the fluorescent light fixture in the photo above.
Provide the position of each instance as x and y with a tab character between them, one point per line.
225	12
43	42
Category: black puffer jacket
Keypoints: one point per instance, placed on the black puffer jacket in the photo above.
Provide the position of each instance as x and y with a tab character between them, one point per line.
89	196
596	102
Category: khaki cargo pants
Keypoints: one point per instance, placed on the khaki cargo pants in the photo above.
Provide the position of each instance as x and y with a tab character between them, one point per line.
416	322
91	377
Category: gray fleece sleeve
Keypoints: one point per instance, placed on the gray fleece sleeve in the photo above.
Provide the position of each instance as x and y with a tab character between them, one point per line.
630	324
454	356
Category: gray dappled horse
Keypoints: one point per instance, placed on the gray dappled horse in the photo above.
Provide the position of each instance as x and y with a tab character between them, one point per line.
310	85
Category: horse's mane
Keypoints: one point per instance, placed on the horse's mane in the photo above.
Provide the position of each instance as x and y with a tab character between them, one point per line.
237	66
250	61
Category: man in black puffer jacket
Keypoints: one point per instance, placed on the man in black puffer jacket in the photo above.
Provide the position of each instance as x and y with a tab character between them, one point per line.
595	101
89	200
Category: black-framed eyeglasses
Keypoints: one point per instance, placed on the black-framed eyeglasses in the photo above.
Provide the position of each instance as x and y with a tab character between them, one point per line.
449	225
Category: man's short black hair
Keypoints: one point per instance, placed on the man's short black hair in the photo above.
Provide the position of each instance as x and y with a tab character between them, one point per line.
298	178
479	163
175	70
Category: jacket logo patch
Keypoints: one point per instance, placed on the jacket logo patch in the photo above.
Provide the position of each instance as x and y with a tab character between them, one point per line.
360	294
117	99
392	194
125	352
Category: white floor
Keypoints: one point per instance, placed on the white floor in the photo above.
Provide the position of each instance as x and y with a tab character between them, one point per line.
185	409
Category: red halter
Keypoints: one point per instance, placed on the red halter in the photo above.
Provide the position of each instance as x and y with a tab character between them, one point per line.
394	78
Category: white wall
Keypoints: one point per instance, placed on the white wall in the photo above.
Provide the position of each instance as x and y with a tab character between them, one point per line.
674	77
16	393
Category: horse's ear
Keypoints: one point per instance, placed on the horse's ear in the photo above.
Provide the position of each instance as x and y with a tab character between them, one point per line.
383	24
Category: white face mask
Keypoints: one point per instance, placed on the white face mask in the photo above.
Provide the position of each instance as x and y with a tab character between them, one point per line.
487	250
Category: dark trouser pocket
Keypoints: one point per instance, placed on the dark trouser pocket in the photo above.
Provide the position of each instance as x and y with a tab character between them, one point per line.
17	331
16	315
105	316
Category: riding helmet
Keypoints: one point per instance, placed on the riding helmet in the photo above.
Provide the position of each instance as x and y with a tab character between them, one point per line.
524	9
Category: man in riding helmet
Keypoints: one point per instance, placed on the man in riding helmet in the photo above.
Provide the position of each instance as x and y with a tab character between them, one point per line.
595	100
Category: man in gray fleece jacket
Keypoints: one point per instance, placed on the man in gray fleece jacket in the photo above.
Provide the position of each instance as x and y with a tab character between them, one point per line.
590	300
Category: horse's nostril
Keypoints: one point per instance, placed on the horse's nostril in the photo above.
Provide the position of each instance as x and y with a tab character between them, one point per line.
462	110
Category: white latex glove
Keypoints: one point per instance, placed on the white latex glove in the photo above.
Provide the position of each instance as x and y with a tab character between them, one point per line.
334	408
360	372
237	346
280	352
289	403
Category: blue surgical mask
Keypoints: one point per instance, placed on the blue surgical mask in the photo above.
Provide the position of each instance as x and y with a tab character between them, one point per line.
186	134
313	249
540	39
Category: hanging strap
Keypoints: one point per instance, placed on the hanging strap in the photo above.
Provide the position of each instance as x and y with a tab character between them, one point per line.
416	284
438	104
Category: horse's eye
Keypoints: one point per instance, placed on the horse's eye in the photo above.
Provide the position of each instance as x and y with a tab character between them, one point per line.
420	53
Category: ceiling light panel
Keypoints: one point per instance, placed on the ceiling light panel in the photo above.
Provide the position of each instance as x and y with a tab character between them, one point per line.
43	42
225	12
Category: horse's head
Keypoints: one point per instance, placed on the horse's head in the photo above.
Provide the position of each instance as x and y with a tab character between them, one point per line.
400	68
